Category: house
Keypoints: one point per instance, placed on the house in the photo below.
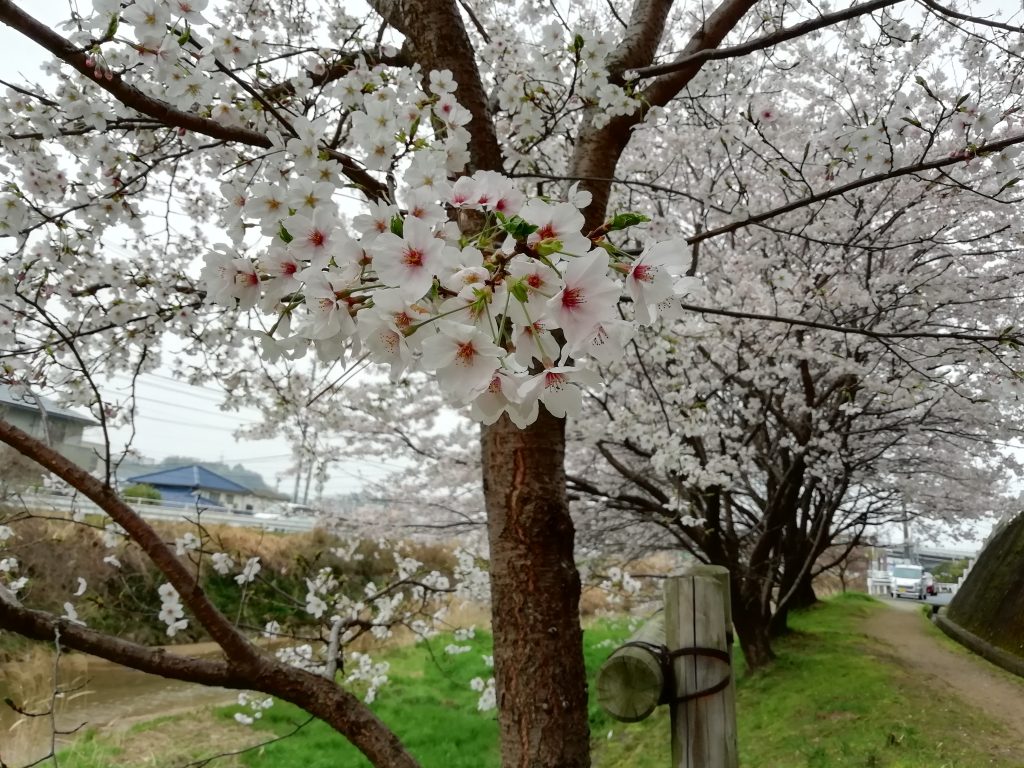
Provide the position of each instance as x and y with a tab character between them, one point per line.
63	427
196	485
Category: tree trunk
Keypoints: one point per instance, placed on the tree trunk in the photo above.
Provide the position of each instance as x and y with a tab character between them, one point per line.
796	578
753	624
803	597
535	590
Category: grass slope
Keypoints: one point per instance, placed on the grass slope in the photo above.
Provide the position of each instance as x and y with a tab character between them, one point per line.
831	701
429	704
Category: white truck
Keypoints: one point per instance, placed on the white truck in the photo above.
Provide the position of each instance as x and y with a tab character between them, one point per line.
909	581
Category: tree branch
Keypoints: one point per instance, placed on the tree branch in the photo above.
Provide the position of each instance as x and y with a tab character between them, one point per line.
944	11
954	336
643	34
247	666
132	97
38	625
765	41
598	150
907	170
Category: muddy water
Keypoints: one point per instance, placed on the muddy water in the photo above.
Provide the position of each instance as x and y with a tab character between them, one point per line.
92	693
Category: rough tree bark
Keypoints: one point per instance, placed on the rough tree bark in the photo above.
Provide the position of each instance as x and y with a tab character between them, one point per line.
535	591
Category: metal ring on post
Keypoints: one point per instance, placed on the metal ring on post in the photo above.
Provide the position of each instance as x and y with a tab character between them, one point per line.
710	653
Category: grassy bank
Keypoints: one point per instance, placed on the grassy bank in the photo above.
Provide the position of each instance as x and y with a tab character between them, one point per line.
831	701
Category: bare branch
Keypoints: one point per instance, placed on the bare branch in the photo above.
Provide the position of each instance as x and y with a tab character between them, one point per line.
953	335
766	41
39	625
944	11
865	181
234	644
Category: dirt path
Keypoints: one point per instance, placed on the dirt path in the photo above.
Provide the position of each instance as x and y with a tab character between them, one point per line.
970	678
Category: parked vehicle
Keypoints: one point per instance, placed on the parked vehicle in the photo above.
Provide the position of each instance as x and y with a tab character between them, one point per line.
909	581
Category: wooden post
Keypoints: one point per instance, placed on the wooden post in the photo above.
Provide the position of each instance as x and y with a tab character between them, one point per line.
697	614
631	681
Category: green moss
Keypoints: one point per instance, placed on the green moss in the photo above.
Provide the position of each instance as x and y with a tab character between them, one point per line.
990	602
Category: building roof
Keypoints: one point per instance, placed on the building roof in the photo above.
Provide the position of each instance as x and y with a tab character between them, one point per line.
192	476
11	397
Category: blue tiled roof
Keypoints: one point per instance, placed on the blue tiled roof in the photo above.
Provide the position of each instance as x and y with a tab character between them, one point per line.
192	476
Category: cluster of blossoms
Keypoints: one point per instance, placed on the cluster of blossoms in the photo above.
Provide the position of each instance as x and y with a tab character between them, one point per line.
255	705
502	316
171	612
9	566
364	670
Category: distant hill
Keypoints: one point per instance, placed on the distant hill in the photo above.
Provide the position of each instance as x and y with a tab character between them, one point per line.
990	603
238	473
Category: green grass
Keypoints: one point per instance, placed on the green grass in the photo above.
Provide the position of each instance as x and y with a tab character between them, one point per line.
429	704
832	700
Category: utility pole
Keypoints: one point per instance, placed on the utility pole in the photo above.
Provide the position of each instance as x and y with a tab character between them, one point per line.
906	533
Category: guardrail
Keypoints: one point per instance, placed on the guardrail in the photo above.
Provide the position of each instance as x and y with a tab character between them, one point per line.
174	512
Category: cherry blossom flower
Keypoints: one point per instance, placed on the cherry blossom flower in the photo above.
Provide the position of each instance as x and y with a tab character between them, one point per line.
328	304
375	222
190	10
587	298
248	574
463	357
651	277
149	17
558	389
558	223
410	262
312	237
442	82
607	343
222	563
229	277
503	396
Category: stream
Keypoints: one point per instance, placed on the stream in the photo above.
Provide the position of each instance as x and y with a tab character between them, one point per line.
94	694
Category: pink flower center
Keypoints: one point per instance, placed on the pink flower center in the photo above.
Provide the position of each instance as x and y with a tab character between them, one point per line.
466	353
572	298
643	273
534	280
413	257
546	232
317	238
555	380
